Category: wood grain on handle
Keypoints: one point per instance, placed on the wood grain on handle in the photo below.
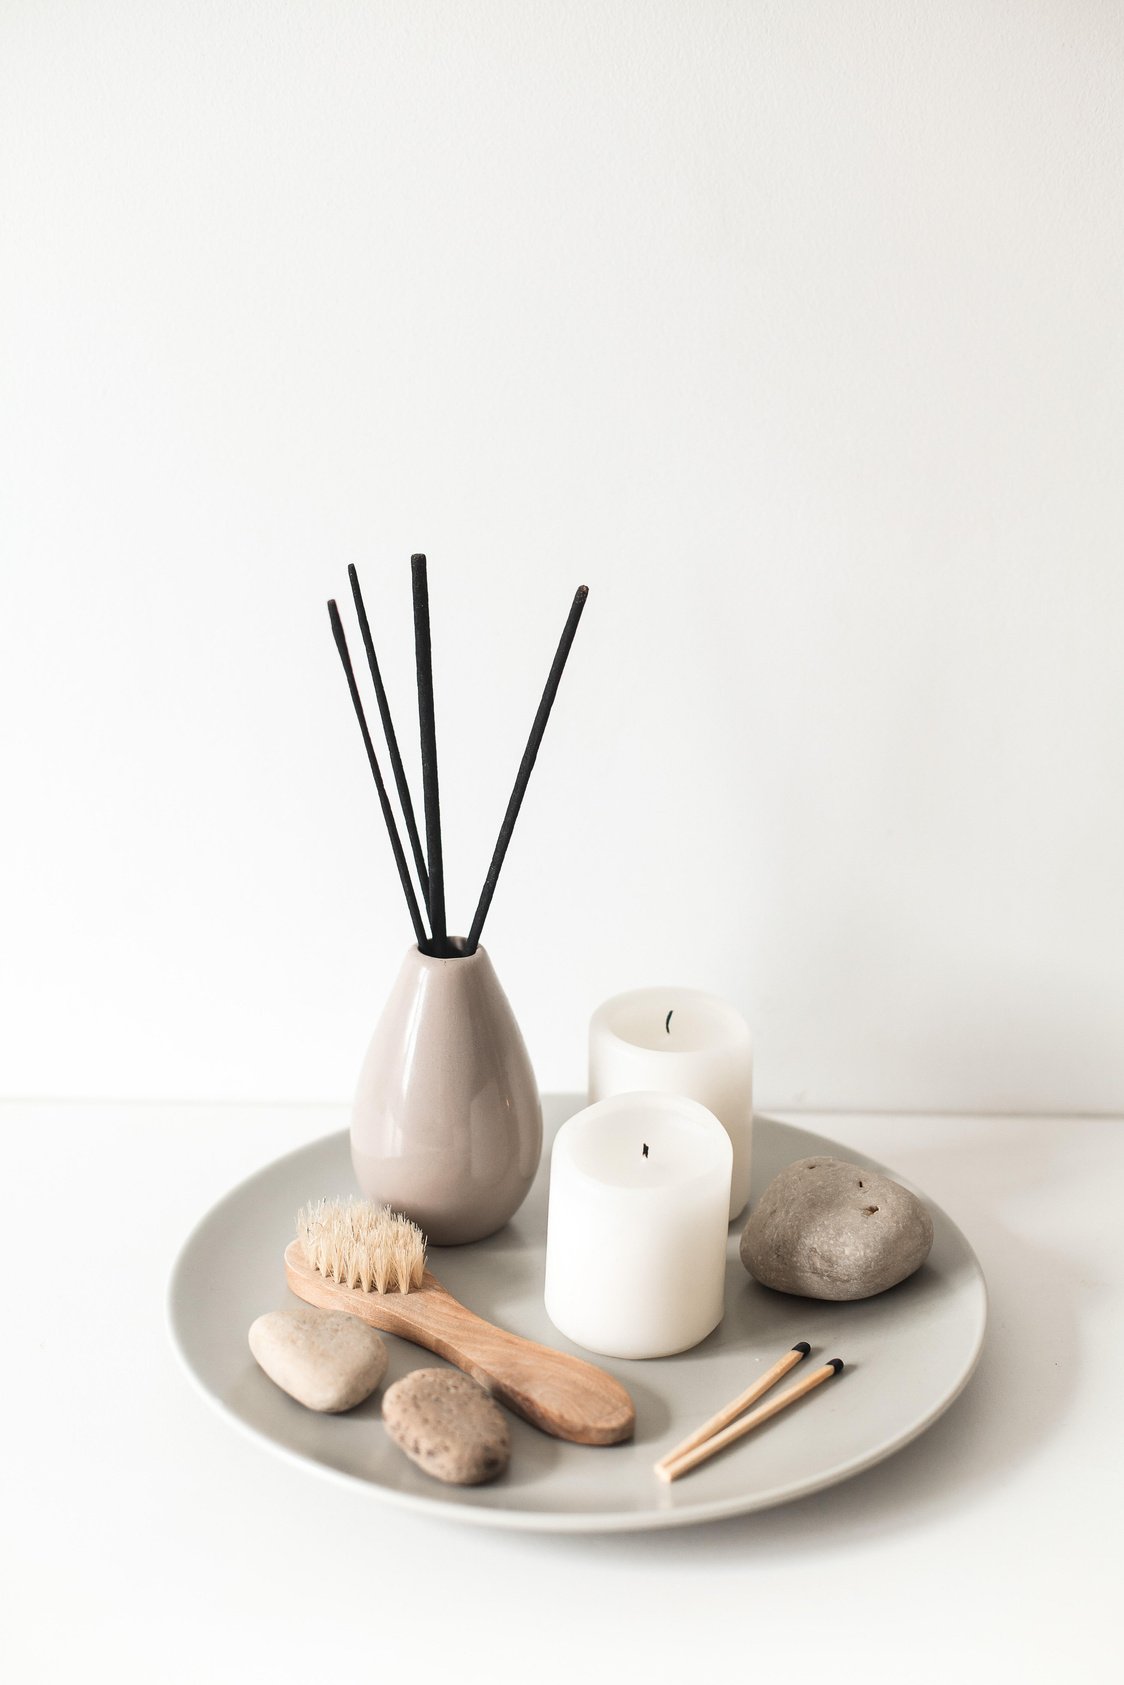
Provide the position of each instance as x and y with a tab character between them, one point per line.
562	1395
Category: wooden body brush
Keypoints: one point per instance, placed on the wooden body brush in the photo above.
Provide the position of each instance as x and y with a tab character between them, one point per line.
360	1258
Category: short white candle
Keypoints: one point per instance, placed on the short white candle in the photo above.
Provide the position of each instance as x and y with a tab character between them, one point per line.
637	1227
680	1041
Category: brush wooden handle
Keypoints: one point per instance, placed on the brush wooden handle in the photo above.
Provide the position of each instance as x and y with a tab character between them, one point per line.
562	1395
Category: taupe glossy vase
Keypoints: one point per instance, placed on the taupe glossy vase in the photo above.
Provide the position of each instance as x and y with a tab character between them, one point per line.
447	1123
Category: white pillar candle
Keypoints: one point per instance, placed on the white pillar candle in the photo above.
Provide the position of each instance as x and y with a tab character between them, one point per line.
680	1041
637	1226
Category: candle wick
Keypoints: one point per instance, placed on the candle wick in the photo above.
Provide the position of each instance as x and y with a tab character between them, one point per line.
667	1022
645	1149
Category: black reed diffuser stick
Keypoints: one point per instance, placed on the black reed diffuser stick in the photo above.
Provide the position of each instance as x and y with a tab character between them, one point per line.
389	733
423	650
525	766
384	799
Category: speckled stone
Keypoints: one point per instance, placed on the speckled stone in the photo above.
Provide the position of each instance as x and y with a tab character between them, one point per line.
826	1229
447	1424
324	1359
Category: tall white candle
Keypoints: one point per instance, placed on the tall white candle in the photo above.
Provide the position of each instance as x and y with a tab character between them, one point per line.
637	1226
680	1041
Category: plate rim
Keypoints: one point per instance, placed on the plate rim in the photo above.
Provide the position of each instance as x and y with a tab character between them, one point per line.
564	1521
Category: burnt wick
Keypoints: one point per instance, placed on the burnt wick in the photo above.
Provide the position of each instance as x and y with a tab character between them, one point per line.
645	1149
667	1022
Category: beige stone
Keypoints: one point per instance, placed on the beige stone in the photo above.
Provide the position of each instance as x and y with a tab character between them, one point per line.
326	1360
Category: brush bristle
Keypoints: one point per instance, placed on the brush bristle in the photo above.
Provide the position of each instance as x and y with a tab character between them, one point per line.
360	1244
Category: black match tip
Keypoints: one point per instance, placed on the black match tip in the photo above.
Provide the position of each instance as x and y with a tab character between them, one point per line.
418	558
835	1363
802	1347
582	592
351	573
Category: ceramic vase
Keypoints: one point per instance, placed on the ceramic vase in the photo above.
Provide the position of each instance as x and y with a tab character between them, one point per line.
447	1122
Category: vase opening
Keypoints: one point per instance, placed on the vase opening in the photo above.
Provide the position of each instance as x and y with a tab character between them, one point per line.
448	948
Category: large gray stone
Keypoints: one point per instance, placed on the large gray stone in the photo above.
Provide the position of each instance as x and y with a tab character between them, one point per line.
826	1229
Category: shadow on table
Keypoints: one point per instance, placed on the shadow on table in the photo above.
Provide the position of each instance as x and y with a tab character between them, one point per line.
1019	1393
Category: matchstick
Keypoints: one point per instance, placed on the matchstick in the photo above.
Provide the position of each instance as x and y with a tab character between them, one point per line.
736	1405
736	1430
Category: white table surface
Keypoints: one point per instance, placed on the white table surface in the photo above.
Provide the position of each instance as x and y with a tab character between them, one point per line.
145	1539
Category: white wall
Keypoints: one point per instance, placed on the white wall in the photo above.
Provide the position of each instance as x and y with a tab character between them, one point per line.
795	331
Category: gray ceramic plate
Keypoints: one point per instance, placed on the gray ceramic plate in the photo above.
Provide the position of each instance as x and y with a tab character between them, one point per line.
908	1354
